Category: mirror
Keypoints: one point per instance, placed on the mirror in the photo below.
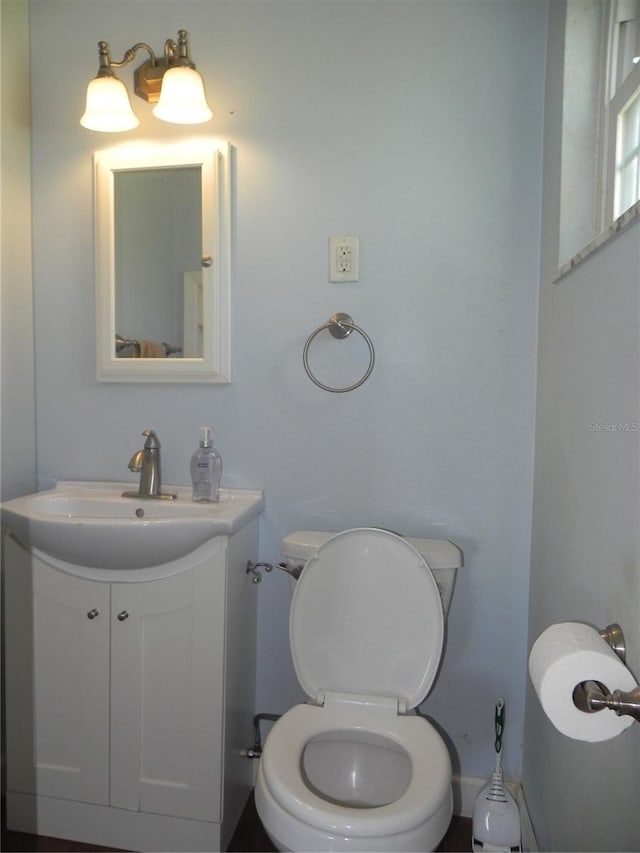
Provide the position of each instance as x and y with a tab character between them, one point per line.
163	263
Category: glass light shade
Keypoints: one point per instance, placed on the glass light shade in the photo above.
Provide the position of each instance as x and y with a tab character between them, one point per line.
182	99
108	107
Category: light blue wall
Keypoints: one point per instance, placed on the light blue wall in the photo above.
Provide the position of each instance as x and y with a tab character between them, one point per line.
18	457
417	126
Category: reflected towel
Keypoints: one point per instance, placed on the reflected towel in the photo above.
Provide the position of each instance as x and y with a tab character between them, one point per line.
152	349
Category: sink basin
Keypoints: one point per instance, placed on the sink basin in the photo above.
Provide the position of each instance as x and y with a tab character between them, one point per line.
91	524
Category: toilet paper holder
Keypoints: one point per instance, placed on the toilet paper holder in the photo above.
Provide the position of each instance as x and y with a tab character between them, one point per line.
591	696
614	636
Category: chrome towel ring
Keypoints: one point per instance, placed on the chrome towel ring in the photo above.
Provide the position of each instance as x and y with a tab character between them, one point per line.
340	326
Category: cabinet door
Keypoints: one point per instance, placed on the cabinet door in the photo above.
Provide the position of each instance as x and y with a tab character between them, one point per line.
57	641
167	692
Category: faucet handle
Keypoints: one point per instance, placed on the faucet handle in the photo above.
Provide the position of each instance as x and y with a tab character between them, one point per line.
152	439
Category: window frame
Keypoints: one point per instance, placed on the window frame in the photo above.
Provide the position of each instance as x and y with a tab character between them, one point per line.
617	97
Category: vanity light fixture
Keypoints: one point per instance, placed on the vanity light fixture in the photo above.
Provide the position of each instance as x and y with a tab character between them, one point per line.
170	82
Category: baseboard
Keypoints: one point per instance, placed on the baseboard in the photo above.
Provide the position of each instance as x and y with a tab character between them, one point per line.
467	788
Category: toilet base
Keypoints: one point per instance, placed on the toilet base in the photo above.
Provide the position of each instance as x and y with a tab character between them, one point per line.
288	833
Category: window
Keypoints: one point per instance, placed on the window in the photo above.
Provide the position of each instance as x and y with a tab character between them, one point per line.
585	24
600	102
622	110
626	185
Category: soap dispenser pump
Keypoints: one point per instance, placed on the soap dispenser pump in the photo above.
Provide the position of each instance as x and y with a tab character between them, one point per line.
206	469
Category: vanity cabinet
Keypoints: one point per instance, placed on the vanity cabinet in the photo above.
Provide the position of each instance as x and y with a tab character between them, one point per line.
130	701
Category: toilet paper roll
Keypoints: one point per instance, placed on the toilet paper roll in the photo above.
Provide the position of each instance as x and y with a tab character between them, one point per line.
565	655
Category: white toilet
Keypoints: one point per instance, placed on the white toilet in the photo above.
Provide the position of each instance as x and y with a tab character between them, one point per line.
355	769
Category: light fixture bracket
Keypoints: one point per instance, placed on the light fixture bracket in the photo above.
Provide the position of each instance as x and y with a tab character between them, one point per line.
147	78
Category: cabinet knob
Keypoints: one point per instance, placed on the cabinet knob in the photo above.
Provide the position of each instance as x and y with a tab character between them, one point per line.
123	615
92	613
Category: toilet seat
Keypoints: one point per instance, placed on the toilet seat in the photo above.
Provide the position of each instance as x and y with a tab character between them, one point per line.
366	617
428	791
366	632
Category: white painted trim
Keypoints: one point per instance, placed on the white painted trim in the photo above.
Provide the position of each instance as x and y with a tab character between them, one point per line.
529	842
467	788
629	217
465	791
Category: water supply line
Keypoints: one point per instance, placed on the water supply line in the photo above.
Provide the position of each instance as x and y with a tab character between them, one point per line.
256	751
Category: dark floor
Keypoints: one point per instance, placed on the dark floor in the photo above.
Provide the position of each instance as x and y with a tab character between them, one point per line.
249	837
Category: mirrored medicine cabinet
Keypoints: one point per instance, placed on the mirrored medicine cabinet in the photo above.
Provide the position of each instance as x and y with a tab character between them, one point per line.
163	262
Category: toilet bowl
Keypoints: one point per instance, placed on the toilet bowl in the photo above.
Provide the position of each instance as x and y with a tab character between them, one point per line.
356	769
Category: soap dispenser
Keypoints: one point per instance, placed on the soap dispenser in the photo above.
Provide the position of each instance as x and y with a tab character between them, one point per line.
206	469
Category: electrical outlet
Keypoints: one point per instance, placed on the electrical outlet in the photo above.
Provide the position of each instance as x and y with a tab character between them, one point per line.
343	258
344	261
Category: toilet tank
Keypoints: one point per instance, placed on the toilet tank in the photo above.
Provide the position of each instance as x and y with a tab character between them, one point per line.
443	557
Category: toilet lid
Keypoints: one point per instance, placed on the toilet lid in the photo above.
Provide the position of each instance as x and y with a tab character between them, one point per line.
366	617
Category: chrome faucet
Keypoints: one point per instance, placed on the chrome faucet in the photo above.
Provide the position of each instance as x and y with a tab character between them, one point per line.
146	462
